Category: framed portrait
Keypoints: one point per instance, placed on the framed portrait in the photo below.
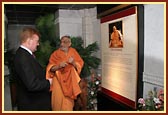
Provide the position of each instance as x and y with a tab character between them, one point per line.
115	35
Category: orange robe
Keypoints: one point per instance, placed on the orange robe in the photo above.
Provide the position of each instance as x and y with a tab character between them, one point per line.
66	80
115	39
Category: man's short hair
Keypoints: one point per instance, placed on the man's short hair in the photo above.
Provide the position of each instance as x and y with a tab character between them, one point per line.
28	32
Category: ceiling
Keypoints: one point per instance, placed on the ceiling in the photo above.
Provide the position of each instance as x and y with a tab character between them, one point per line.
28	13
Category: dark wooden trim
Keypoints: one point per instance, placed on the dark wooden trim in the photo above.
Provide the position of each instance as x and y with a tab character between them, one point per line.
106	103
112	10
125	101
117	15
140	13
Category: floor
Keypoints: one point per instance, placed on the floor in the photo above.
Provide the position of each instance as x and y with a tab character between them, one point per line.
6	98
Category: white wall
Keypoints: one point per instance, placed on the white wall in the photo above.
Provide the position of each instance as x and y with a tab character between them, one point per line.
14	35
153	75
83	23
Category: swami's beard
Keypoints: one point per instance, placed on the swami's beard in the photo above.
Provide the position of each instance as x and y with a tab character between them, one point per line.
64	49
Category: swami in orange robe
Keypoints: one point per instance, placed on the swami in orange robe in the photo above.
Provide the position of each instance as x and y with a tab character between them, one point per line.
116	38
65	86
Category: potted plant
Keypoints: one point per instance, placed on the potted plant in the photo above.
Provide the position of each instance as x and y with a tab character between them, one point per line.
90	62
86	53
153	102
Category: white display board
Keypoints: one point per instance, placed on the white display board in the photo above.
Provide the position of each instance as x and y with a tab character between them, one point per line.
120	63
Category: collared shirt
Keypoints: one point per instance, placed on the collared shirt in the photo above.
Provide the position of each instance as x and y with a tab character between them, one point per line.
26	49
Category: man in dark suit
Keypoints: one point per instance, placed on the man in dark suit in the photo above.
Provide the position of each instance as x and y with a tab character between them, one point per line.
33	90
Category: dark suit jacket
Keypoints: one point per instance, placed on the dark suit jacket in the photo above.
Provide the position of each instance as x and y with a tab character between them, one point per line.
32	87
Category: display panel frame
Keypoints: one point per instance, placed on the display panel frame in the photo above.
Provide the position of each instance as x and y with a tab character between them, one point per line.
118	74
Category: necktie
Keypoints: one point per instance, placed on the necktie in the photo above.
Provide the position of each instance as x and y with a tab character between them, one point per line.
33	55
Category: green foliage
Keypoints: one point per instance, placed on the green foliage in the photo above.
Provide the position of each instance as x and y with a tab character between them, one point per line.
90	61
48	41
94	85
154	101
45	25
43	53
150	105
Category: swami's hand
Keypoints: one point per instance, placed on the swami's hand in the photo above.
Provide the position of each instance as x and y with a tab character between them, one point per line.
63	64
71	60
57	67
